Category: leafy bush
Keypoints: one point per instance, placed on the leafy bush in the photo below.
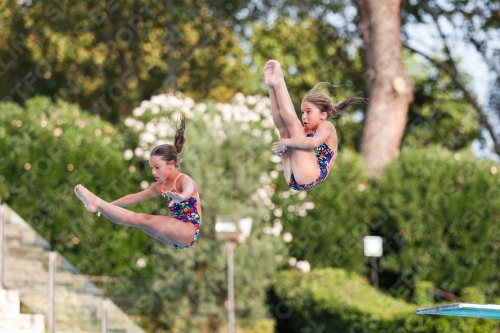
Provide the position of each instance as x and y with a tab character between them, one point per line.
333	300
227	153
328	222
264	326
438	212
45	150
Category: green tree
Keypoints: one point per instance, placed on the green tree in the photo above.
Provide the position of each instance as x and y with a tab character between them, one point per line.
436	209
109	56
438	114
320	51
333	300
439	213
474	26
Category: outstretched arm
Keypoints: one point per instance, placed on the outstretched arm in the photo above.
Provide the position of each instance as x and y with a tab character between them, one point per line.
134	198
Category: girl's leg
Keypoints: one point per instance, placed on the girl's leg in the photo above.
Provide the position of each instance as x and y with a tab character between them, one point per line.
276	112
275	108
302	162
285	105
163	228
284	134
278	121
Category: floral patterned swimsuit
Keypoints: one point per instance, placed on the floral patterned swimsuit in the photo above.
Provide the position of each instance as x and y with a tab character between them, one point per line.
324	155
186	211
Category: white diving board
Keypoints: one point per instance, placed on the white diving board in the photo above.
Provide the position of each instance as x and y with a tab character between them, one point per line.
463	310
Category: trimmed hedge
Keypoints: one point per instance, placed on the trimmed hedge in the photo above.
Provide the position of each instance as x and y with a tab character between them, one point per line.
438	212
334	300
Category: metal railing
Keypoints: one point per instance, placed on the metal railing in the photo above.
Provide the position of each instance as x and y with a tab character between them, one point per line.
49	284
2	246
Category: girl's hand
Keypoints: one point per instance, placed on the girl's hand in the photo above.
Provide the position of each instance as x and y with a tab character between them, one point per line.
279	147
281	154
176	198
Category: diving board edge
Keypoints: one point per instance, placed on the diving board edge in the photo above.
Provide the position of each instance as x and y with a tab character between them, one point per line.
463	310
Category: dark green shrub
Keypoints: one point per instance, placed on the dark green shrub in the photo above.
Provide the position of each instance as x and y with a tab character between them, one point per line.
45	150
334	301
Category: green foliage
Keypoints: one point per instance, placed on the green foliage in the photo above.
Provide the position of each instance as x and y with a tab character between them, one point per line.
46	149
327	223
472	295
333	300
107	57
439	212
438	113
474	22
314	52
423	295
264	326
226	152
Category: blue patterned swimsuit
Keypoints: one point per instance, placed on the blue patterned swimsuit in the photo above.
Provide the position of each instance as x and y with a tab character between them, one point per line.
324	155
186	211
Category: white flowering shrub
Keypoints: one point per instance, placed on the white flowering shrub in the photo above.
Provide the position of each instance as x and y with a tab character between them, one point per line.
228	154
246	118
46	149
210	125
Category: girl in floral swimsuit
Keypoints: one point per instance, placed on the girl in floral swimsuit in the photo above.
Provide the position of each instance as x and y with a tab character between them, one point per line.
181	229
187	210
308	149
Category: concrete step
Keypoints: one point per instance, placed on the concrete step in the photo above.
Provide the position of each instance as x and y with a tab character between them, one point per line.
9	302
23	264
78	312
37	303
22	323
12	321
64	282
20	232
78	303
27	252
71	313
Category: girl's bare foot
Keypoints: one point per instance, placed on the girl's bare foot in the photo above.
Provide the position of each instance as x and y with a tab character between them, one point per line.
278	72
269	74
88	198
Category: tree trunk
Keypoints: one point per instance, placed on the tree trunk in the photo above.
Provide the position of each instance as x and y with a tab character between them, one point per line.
391	89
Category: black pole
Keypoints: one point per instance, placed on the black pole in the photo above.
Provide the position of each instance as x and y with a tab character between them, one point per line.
374	272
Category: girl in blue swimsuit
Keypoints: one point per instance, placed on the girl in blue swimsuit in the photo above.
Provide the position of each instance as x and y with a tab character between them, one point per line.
181	229
308	149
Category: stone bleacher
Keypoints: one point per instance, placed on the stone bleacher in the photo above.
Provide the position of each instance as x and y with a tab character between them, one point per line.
78	302
11	318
